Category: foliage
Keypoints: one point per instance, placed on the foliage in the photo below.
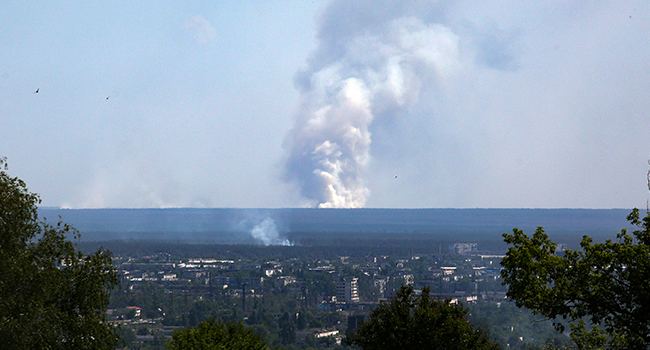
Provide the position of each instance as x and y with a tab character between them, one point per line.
287	329
51	295
210	334
412	322
607	283
547	346
513	327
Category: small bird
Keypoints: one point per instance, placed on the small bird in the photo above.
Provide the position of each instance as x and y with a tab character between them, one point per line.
396	176
107	97
36	91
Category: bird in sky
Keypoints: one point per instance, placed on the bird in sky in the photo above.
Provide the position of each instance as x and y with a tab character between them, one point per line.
107	97
36	91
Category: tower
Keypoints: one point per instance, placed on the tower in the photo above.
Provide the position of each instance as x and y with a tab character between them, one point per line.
348	290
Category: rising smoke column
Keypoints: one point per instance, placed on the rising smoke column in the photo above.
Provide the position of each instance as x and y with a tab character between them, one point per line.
356	76
267	232
261	227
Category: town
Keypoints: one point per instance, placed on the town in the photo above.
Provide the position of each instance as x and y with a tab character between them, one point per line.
297	300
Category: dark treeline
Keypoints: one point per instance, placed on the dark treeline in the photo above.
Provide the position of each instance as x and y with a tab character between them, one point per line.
330	226
343	247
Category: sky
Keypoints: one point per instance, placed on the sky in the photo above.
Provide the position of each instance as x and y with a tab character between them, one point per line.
332	104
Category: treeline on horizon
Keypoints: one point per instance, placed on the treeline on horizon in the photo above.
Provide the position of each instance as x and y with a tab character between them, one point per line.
322	226
393	247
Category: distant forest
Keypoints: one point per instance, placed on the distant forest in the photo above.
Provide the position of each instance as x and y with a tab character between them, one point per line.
403	228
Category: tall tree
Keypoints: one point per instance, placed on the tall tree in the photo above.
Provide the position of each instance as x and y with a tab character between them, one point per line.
419	322
215	335
287	329
51	295
605	283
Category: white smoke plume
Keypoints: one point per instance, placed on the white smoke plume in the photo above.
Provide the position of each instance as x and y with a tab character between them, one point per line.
267	232
360	73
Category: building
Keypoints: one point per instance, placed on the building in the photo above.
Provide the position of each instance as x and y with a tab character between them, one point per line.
381	284
354	323
347	290
282	281
317	333
463	248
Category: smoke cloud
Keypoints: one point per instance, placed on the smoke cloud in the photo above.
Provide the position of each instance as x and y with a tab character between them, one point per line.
267	232
261	227
203	31
358	76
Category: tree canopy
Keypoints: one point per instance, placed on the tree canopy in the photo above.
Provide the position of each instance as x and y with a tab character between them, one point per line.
51	295
607	284
419	322
213	335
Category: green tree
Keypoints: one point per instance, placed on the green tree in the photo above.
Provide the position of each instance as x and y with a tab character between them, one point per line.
606	283
310	340
213	335
419	322
287	329
128	336
301	322
51	295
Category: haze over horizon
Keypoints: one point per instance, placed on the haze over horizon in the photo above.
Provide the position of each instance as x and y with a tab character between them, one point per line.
376	104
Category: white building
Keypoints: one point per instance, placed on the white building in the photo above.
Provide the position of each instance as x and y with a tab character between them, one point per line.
348	290
463	248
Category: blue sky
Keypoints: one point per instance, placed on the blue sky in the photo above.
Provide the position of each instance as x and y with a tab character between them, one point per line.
256	104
